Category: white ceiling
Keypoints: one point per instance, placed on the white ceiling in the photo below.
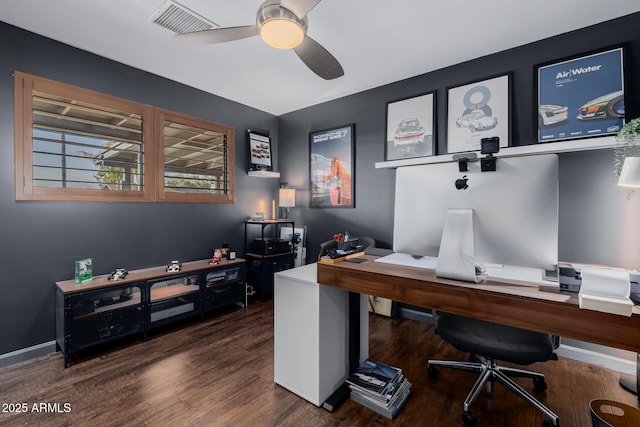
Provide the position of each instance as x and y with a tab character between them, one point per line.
377	42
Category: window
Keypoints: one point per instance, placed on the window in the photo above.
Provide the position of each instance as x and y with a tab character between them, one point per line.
195	159
76	144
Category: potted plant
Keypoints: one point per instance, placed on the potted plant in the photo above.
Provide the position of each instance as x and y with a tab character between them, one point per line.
628	139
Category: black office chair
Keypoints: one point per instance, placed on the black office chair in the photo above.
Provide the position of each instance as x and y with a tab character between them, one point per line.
325	247
489	342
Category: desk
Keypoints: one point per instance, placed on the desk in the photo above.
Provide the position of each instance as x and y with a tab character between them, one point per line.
521	304
312	332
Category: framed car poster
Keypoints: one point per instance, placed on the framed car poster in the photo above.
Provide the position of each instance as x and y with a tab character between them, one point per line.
260	150
331	167
410	130
477	110
581	97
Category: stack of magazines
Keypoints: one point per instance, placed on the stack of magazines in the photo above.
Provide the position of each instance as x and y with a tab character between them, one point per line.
379	387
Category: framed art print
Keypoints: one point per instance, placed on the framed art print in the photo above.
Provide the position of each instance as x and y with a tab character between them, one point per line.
476	110
581	97
259	150
410	127
331	168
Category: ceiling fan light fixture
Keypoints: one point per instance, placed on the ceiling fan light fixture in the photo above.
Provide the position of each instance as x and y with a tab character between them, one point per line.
279	27
282	33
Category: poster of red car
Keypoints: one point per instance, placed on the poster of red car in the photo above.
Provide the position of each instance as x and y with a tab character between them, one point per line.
331	167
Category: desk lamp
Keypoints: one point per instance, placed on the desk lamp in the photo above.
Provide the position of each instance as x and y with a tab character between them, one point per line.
287	199
630	173
630	178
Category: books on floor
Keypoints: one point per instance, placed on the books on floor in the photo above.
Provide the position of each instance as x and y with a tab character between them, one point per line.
379	387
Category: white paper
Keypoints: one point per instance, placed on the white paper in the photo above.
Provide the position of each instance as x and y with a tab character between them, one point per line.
398	258
518	273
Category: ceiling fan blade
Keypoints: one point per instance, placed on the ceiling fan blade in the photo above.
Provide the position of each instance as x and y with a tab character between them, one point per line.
218	35
299	7
318	59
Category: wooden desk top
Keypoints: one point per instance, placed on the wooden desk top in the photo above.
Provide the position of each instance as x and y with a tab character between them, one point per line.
523	304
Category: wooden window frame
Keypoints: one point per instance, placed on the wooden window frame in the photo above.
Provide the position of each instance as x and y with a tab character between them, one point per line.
153	148
169	196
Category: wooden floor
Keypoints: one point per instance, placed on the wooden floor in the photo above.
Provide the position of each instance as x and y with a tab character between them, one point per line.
220	373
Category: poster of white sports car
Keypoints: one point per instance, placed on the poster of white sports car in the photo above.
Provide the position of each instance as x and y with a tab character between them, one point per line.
581	97
478	110
410	127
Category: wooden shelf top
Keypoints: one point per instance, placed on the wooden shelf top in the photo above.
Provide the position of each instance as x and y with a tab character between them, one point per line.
253	255
134	276
271	221
168	292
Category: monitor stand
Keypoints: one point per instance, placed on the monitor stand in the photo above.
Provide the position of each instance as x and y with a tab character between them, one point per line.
456	259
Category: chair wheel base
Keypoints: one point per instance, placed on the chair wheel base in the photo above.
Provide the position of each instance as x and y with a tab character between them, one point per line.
469	419
539	384
550	424
432	372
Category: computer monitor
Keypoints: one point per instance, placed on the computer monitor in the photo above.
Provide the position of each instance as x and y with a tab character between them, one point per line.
515	209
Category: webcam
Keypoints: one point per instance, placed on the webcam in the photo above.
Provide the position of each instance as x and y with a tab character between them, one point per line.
489	146
461	183
488	164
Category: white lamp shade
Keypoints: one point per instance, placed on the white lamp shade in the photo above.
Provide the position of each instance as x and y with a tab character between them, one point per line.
630	173
287	198
282	33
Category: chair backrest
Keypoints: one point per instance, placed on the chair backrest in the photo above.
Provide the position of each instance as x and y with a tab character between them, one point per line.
366	242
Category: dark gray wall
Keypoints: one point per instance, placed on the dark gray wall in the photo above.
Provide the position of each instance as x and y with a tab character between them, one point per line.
41	240
595	216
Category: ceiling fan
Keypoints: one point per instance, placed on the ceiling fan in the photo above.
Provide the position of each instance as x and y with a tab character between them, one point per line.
281	24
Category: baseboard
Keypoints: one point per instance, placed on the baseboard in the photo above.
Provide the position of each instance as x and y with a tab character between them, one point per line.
625	366
27	353
412	314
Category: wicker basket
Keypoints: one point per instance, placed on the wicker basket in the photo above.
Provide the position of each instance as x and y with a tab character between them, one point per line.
607	413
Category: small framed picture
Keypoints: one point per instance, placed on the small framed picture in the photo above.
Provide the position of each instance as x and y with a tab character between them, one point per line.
477	110
259	150
410	130
581	97
331	167
83	270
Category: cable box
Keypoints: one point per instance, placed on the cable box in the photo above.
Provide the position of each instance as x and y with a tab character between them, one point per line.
171	309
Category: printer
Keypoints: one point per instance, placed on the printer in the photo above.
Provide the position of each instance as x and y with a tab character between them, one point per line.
269	246
570	278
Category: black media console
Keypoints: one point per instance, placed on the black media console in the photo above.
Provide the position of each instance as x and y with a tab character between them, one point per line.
88	314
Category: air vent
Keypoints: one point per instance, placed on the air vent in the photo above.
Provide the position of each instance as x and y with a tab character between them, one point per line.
180	19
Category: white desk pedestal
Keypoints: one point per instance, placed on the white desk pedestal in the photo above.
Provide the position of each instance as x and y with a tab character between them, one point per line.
311	334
